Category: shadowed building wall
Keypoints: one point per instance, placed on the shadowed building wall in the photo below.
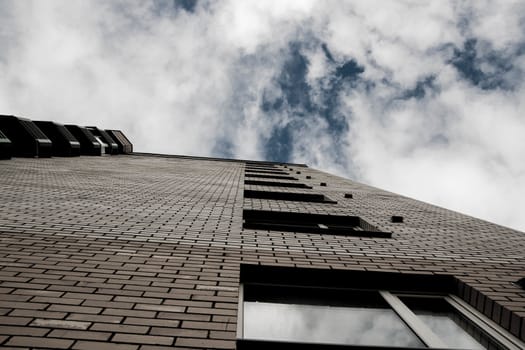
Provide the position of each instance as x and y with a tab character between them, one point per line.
144	251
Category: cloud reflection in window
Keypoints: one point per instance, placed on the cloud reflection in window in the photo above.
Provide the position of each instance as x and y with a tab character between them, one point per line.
450	332
326	324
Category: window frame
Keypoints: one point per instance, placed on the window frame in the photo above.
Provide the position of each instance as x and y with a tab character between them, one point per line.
270	176
392	298
271	172
472	315
344	225
288	196
266	183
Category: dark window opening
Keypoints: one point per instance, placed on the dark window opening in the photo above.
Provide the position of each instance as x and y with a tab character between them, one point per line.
104	136
275	172
260	165
5	147
89	145
262	168
26	139
397	219
63	142
276	184
310	223
288	196
521	282
277	177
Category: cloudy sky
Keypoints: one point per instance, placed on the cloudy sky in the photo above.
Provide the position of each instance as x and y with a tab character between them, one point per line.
422	98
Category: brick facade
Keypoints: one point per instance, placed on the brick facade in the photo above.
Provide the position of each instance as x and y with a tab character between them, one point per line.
144	252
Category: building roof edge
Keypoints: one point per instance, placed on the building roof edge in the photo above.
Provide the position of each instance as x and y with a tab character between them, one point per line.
160	155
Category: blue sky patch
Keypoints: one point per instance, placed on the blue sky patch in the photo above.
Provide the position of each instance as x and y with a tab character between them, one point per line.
486	70
421	89
187	5
280	146
295	98
292	80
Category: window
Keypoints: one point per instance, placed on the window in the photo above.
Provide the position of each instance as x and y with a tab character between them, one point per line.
276	183
26	139
521	282
288	196
112	146
260	165
88	143
275	172
5	147
268	176
314	309
310	223
124	145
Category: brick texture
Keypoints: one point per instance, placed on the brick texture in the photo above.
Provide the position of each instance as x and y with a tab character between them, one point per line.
144	252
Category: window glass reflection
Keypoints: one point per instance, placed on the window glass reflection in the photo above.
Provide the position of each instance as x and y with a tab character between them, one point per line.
448	324
326	324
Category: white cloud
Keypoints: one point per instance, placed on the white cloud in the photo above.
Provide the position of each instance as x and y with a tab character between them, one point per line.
461	148
499	22
194	83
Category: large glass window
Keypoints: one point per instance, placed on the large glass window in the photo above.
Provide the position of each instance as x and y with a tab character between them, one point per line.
451	326
359	320
309	315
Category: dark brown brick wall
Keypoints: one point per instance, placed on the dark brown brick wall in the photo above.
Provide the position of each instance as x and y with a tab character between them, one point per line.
142	252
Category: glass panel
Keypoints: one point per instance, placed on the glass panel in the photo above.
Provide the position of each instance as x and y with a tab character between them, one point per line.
310	323
452	327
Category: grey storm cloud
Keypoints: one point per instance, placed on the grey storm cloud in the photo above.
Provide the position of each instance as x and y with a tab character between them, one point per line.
425	99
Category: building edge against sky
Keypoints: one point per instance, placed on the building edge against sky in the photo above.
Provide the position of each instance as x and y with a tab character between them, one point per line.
144	251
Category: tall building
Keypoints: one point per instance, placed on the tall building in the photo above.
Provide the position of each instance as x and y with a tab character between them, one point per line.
147	251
